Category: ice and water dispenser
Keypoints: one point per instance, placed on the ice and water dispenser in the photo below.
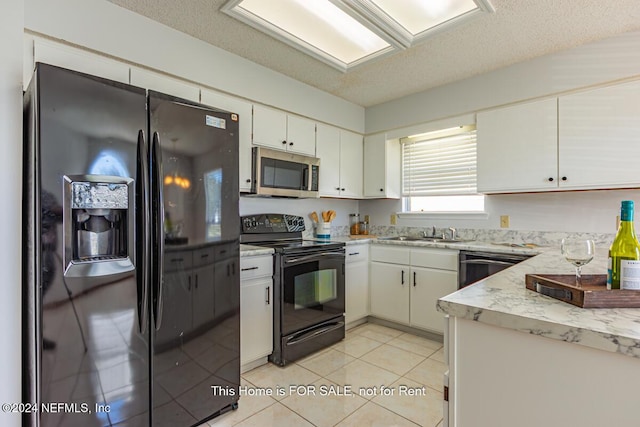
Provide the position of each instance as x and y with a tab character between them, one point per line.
98	223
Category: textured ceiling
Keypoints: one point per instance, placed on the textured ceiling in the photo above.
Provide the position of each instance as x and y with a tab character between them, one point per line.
517	31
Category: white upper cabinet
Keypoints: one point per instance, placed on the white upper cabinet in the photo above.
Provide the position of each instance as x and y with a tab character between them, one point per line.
599	132
279	130
328	150
243	109
340	154
582	141
517	147
350	164
381	167
164	84
79	60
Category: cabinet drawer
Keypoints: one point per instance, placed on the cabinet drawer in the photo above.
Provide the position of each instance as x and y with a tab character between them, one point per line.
356	253
259	266
178	260
203	256
442	259
392	255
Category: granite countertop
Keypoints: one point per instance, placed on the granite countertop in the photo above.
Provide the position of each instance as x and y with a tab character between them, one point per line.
502	300
472	245
250	250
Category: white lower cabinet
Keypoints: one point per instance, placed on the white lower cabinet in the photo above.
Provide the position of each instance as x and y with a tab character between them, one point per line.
256	310
356	282
406	284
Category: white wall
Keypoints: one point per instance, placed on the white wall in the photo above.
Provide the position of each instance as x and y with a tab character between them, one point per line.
593	64
589	211
104	27
301	207
11	20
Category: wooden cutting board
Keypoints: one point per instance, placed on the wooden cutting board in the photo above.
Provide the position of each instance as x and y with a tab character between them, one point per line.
592	294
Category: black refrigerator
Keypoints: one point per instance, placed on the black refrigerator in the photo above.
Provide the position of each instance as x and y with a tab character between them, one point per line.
131	289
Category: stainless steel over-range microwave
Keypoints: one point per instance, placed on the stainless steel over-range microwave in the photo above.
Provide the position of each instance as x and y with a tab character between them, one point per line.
282	174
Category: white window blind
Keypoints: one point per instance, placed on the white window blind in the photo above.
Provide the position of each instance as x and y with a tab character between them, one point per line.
440	163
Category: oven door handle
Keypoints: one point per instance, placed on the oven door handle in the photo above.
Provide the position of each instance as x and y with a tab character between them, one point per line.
307	335
313	256
487	262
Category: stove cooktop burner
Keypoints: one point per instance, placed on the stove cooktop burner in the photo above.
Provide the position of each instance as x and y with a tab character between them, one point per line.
291	245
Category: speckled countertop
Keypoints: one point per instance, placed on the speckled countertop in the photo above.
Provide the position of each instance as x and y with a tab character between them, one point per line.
250	250
502	300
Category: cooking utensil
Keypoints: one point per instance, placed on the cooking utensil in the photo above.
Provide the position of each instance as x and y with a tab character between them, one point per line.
314	217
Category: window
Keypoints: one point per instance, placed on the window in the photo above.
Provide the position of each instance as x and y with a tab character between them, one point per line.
439	171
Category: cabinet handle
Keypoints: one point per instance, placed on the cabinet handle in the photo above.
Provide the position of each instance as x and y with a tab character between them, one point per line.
402	279
550	179
342	189
248	180
189	284
338	188
354	253
564	178
249	268
382	189
414	279
291	144
284	142
177	260
268	296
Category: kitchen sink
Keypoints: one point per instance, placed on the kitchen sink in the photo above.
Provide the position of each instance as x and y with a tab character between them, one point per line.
424	239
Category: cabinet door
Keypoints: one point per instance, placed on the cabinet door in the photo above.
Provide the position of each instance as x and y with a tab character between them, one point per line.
301	135
350	164
356	291
328	150
390	292
269	127
517	148
256	319
164	84
203	295
177	316
427	286
598	142
382	163
225	287
243	110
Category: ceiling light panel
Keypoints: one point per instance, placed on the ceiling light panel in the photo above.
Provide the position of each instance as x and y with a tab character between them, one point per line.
318	27
347	33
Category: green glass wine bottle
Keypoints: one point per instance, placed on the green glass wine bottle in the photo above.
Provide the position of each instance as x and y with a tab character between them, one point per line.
624	253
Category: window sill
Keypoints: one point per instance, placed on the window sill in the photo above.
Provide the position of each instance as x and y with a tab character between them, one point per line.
416	216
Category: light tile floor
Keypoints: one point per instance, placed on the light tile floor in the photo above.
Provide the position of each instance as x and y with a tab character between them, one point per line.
383	366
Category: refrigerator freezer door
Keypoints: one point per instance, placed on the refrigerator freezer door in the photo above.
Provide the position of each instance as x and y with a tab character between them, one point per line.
195	276
89	352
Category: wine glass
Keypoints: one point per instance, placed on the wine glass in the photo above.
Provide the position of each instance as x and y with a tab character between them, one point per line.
578	252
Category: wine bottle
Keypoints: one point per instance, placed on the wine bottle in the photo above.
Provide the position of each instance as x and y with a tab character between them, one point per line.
624	253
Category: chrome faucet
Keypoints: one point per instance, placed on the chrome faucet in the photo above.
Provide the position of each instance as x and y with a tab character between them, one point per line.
453	233
433	232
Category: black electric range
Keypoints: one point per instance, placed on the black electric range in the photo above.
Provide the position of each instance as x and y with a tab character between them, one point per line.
309	289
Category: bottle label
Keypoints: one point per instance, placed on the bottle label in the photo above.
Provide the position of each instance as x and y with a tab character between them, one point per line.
609	273
629	274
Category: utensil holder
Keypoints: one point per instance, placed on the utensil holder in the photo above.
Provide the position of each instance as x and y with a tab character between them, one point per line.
323	230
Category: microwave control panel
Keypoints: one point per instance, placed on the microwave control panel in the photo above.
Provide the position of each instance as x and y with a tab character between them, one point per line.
272	223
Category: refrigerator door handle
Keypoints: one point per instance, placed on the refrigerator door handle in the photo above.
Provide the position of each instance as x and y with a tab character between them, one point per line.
142	211
156	158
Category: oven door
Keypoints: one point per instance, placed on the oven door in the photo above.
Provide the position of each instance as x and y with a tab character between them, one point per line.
312	289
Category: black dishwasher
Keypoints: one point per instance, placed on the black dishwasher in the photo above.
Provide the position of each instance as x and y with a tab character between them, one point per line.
476	265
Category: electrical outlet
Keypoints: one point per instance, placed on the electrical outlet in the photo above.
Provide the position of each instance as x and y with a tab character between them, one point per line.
394	219
504	221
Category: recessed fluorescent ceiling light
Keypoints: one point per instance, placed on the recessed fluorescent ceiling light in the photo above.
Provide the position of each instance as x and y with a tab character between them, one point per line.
346	33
